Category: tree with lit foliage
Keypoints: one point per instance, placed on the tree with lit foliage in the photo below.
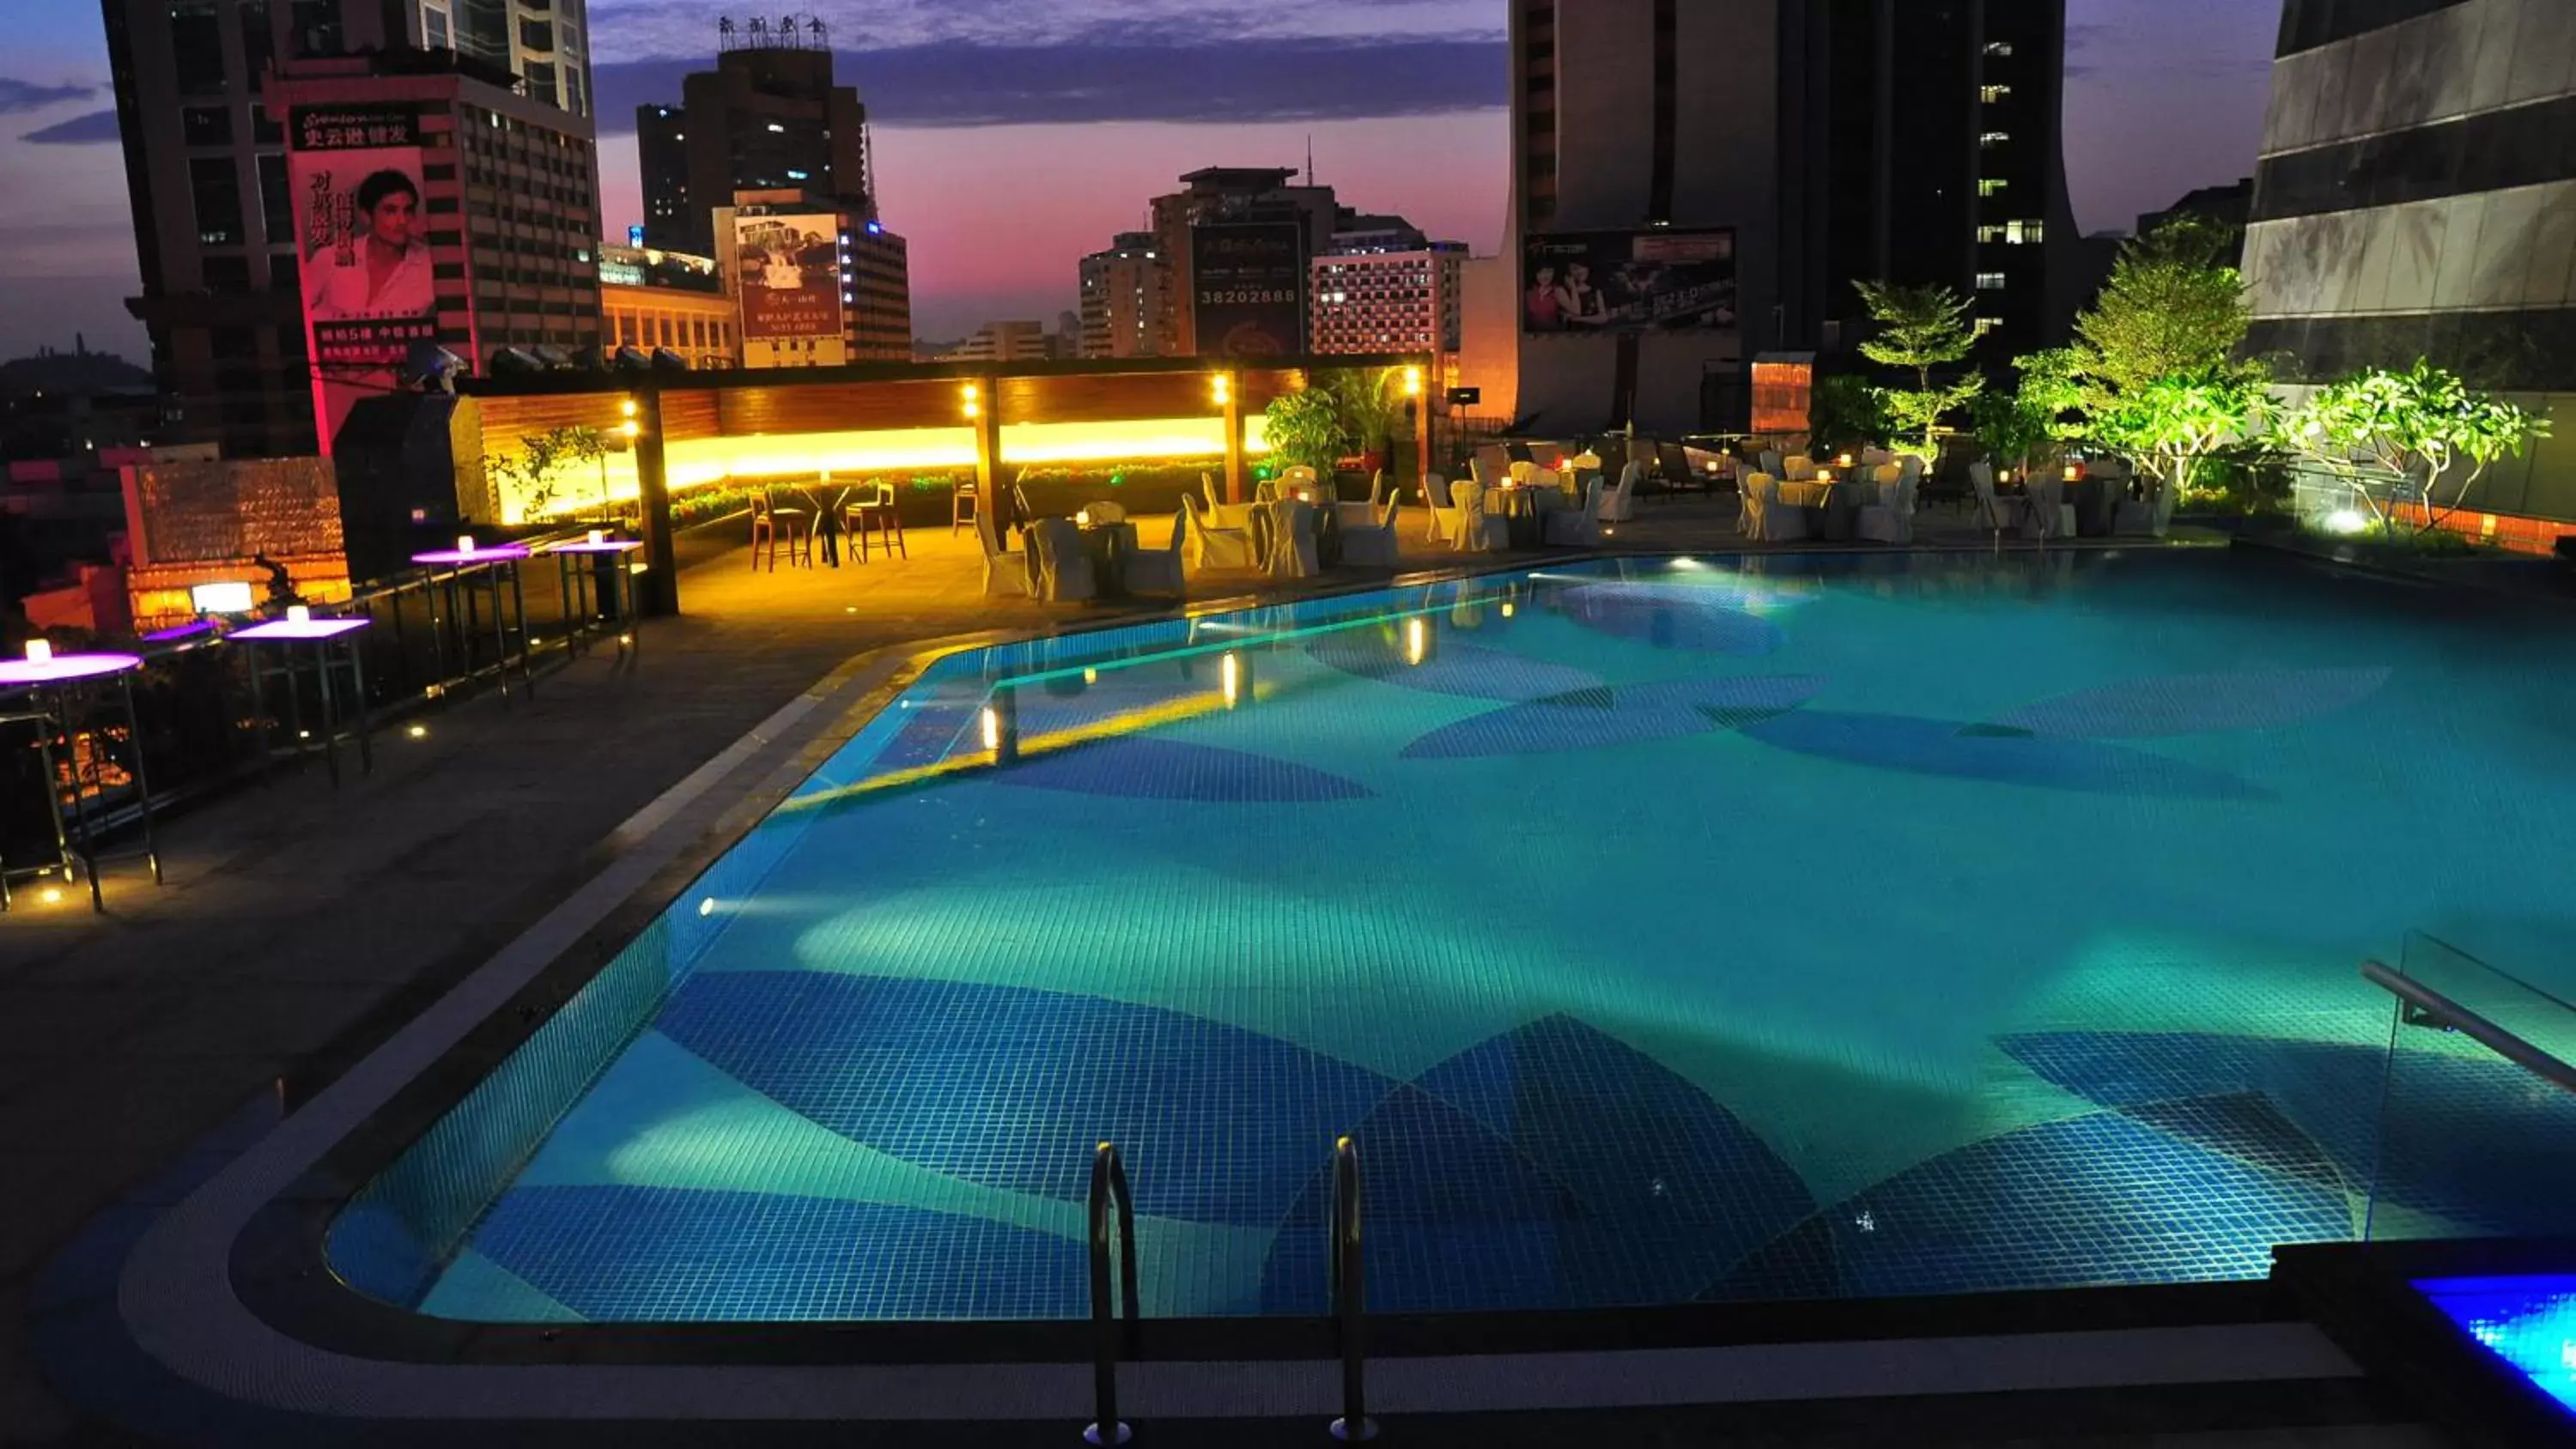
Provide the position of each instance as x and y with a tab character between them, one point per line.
2172	308
1920	328
2416	426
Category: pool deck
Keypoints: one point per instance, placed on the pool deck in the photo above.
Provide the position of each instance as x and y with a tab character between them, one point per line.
300	927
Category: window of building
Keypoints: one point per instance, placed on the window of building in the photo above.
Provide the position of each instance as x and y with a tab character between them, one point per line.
282	275
536	35
2021	233
1990	186
1992	94
1998	47
1990	281
1988	324
216	188
1994	138
197	46
276	199
227	274
206	125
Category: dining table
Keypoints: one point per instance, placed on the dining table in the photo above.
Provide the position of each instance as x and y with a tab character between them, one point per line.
1832	506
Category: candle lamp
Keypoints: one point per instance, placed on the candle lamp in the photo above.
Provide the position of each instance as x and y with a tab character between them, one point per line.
40	651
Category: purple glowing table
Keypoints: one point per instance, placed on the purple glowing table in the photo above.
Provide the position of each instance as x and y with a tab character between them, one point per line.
464	571
330	645
53	684
578	564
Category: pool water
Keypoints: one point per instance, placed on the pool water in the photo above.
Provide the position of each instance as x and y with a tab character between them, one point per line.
1660	930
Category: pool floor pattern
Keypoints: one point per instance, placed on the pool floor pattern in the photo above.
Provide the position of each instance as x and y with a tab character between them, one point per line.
874	1092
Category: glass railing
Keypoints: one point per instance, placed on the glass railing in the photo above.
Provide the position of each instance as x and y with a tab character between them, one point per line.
2476	1119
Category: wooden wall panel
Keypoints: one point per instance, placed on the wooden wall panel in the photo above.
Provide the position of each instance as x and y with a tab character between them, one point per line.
835	407
508	419
692	414
1107	398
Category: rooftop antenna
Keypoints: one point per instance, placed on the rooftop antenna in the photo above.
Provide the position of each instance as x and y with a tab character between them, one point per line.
1310	158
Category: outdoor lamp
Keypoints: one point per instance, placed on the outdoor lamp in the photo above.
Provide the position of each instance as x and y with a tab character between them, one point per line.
627	407
2074	471
298	614
1222	388
1413	382
598	536
40	651
1845	460
630	427
464	543
974	408
1824	475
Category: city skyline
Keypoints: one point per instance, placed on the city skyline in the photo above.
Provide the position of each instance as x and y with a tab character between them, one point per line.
1007	151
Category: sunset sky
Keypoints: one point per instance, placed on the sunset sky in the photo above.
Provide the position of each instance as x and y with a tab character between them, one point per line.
1012	137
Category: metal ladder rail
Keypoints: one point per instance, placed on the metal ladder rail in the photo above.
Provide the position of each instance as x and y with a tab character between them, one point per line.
1108	1181
2435	1009
1348	1281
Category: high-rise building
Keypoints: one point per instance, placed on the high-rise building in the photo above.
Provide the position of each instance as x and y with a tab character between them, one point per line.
1004	342
1127	298
1719	173
1374	299
767	118
1238	240
819	283
206	178
2413	201
494	207
653	300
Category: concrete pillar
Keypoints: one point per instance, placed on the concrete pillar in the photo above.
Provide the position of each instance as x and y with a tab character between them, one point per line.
659	594
1234	479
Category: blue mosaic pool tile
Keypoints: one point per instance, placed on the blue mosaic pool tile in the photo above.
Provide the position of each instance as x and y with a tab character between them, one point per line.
2245	1126
1800	1263
1011	1088
1937	747
1448	665
1671	617
1144	768
651	1254
1672	1190
2182	704
2095	1199
393	1235
1622	715
2475	1140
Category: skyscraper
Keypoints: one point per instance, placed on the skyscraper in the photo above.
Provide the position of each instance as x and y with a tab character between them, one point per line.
767	118
1126	297
2414	199
1238	239
206	177
1721	172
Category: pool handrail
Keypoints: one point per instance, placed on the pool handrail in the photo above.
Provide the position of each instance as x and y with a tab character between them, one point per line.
2442	1011
1109	1180
1348	1282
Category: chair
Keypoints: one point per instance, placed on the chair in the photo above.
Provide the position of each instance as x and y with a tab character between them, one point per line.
1516	451
769	521
1006	574
1371	544
1212	546
2147	517
1065	574
1222	514
1159	570
1478	531
1577	527
2045	512
2001	513
1292	540
1362	515
1769	462
1436	500
1493	458
1619	506
1521	469
879	513
1799	469
1766	518
965	500
1891	518
1676	465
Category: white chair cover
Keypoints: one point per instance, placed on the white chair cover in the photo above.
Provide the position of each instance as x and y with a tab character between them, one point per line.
1436	502
1799	469
1292	540
1159	570
1521	471
1006	574
1064	570
1770	461
1372	544
1214	546
2044	507
1577	528
1619	506
1478	531
1768	519
1891	518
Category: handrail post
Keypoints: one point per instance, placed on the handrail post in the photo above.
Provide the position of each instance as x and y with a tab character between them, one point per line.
1350	1293
1108	1181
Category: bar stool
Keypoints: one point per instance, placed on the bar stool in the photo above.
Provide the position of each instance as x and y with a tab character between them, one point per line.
880	513
964	504
768	521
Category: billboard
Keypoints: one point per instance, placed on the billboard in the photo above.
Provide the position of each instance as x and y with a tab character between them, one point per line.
362	250
1628	281
790	268
1248	288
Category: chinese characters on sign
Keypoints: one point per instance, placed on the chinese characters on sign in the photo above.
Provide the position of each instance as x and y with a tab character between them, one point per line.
362	248
1619	281
1248	288
790	268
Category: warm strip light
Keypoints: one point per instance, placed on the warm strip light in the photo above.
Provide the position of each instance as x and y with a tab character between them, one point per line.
1231	669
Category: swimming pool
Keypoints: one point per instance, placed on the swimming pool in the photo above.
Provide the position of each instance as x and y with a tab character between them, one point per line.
1661	930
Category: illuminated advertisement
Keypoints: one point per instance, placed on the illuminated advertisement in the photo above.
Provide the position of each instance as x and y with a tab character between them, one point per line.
1628	281
362	249
790	268
1248	288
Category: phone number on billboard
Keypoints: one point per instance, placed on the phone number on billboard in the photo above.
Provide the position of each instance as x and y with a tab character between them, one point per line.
1222	299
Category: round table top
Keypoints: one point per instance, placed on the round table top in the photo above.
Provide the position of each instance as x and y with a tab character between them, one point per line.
482	554
606	545
293	630
64	668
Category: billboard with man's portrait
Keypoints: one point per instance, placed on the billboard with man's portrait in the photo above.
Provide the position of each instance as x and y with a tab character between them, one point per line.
362	249
1248	288
790	270
1628	281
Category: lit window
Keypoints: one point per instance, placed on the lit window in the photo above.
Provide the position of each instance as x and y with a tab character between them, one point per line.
1990	281
779	130
1988	94
1991	186
2022	233
1990	234
1988	324
1994	138
1998	47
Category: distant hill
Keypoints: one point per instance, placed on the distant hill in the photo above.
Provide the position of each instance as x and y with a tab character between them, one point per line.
72	372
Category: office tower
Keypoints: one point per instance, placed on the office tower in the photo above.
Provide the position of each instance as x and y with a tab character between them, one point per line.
206	177
767	118
1126	298
1697	183
653	300
819	282
1386	298
1238	239
2413	200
